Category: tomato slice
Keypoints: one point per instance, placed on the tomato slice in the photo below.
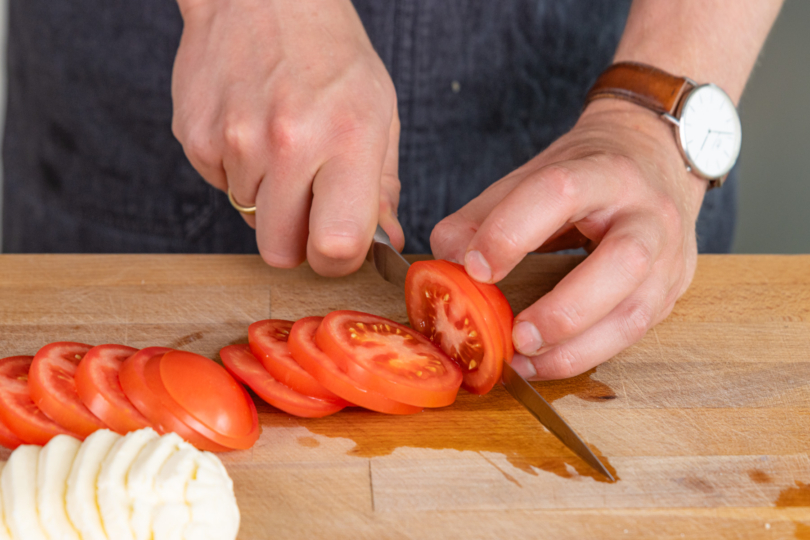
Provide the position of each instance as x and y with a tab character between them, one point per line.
18	411
503	311
445	305
134	384
268	341
244	365
204	396
99	388
326	371
390	359
8	439
52	385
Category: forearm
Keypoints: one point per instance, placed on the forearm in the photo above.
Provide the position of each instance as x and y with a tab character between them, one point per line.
707	40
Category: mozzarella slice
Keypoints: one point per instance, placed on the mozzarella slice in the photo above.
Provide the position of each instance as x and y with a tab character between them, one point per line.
19	487
113	499
55	462
82	503
4	533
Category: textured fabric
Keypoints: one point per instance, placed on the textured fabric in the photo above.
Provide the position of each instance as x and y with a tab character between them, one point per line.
91	164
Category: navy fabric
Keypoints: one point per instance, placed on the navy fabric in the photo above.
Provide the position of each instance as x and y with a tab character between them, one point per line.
91	164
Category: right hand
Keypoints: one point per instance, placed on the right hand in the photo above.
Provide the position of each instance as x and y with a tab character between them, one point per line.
289	106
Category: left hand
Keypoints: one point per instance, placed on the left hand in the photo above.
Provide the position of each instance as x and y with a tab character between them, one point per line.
615	184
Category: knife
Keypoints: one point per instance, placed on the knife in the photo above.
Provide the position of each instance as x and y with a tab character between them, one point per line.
393	268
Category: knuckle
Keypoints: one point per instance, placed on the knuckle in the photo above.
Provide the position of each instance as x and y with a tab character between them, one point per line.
564	363
284	134
199	147
563	185
635	258
637	321
240	137
561	322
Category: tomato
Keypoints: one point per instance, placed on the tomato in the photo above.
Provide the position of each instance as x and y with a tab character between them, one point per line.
8	439
204	396
53	387
99	388
18	411
244	365
324	369
390	359
136	388
445	305
268	341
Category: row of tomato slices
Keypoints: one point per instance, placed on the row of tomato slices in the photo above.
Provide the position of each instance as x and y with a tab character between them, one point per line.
460	334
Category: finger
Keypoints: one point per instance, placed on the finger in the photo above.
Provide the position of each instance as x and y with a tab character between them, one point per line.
532	212
345	208
390	188
623	327
566	237
619	265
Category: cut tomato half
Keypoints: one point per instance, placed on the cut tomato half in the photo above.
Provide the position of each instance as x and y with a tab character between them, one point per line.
268	341
244	365
393	360
136	388
444	305
53	387
204	396
18	411
327	372
99	387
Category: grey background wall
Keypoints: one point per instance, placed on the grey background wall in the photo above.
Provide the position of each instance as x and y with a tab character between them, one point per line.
775	162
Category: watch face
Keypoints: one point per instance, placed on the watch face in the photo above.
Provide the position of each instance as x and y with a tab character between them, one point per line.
710	131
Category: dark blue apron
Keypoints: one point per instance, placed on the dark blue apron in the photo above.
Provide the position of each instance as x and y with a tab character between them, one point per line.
91	165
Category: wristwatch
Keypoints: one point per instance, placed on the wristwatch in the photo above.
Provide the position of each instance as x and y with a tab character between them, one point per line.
707	125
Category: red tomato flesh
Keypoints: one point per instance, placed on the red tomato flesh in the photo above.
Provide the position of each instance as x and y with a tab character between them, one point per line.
244	365
136	388
8	439
52	385
327	372
18	411
204	396
445	305
389	358
268	341
99	387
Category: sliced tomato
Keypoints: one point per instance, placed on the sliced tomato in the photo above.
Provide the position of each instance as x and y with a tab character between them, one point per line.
327	372
99	387
393	360
445	305
136	388
204	396
18	411
506	317
8	439
53	387
268	341
244	365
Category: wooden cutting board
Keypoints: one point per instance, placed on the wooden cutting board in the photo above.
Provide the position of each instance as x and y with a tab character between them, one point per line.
706	422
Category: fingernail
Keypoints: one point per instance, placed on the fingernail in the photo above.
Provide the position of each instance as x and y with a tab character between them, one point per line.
527	338
477	267
524	366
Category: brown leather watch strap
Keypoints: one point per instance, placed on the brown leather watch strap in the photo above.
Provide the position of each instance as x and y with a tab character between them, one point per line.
642	84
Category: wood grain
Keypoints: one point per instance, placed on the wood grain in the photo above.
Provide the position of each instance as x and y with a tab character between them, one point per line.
706	421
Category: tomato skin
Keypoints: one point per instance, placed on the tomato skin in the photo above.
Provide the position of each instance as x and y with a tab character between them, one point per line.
8	439
438	291
389	358
268	341
327	372
17	411
506	317
243	364
53	387
231	419
99	387
136	388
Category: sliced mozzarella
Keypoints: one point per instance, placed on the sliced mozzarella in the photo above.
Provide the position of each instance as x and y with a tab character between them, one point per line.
82	503
55	462
141	485
19	487
214	513
113	499
4	533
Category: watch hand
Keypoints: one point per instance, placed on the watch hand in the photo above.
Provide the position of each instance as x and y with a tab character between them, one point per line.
721	132
704	141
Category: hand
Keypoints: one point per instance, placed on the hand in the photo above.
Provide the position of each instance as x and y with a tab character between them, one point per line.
617	183
289	106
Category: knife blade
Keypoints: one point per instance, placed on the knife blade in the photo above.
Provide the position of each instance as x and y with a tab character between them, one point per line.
541	409
393	268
